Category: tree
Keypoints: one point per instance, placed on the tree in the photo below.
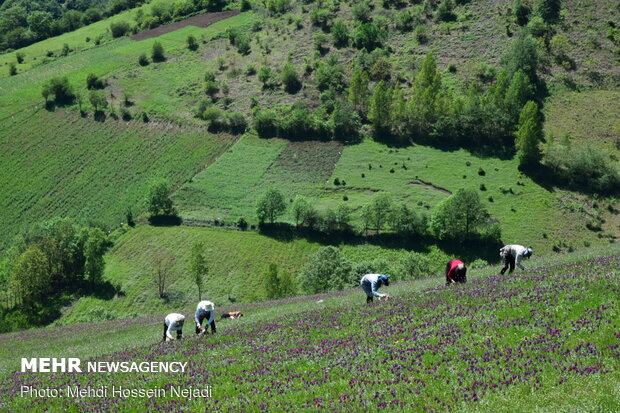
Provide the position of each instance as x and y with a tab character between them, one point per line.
381	209
198	267
300	210
380	106
288	286
267	77
423	105
459	216
326	270
158	198
445	11
94	248
192	44
290	78
272	282
358	91
405	221
270	206
40	23
340	34
98	100
521	12
343	217
31	278
119	29
161	273
93	82
518	93
13	70
60	88
523	55
413	266
157	52
143	60
345	122
529	135
368	36
549	10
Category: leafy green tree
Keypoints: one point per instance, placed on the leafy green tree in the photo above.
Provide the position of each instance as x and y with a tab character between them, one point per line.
330	74
380	107
119	29
94	248
30	278
290	78
358	91
459	216
97	99
529	135
361	11
157	52
40	23
549	10
523	56
288	286
158	199
445	11
340	34
343	217
267	77
192	44
198	267
405	221
345	122
413	266
522	12
270	206
272	282
300	210
519	92
326	270
60	88
424	102
368	36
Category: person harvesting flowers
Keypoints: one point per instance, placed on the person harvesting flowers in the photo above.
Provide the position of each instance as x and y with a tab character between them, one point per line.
173	322
205	309
512	255
456	272
371	283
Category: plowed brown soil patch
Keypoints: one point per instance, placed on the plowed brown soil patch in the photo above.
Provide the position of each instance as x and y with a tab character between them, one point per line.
200	20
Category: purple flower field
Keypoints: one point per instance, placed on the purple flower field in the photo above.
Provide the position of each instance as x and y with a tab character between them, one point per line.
502	339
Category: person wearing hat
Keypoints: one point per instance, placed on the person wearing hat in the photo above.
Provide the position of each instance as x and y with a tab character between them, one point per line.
512	255
205	309
173	322
371	283
456	272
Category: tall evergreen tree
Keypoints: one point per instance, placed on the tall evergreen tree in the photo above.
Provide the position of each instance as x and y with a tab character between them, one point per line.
529	135
380	109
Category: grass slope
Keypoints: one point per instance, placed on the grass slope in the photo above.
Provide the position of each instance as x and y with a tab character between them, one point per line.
543	339
59	164
237	262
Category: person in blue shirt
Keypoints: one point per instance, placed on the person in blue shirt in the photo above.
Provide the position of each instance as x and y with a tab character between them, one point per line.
371	283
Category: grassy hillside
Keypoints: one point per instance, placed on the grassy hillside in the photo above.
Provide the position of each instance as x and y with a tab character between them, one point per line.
542	339
90	170
237	263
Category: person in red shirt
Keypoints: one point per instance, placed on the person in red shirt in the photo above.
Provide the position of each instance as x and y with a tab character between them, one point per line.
456	272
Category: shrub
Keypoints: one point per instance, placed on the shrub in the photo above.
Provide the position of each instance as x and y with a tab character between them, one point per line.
585	167
60	88
445	11
243	44
19	57
537	26
93	82
237	122
361	11
217	118
340	34
143	60
330	74
119	29
157	52
326	270
405	21
12	69
267	77
192	44
368	36
290	79
320	41
321	17
413	266
250	69
266	123
211	88
421	34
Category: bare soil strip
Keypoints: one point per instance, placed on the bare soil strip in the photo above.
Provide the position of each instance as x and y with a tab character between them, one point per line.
199	20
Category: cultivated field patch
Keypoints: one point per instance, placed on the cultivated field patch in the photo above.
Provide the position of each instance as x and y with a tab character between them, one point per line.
200	20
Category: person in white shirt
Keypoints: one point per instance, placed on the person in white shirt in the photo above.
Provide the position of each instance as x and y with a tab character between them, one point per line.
173	322
205	309
513	255
371	283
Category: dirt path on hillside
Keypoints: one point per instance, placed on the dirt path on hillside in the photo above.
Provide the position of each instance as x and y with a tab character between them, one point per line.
200	20
430	185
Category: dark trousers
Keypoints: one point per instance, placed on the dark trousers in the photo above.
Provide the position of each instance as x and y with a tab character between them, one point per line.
509	261
212	324
179	333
